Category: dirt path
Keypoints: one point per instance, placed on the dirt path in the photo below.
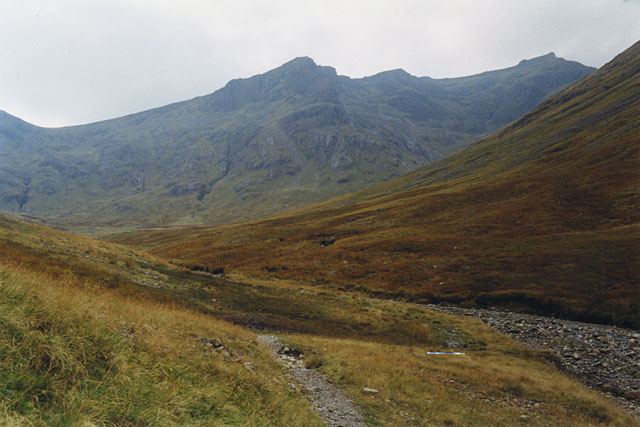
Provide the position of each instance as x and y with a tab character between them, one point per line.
328	400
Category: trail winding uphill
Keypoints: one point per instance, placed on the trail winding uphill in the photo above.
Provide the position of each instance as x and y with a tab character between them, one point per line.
328	400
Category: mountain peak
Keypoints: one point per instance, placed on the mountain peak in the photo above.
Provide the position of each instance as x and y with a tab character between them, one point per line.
301	60
538	59
299	63
302	65
397	73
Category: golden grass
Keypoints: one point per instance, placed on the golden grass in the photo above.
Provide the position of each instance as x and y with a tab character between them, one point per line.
496	386
77	352
91	342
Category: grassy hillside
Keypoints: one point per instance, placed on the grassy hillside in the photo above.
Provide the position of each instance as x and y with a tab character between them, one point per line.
96	333
542	215
86	338
292	136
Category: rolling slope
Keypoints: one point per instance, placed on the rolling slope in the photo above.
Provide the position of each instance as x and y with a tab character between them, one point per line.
541	215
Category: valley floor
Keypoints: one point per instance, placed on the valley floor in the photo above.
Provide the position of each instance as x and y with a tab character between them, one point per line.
98	333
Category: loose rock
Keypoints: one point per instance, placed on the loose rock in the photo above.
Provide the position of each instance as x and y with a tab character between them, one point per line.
604	357
211	343
327	399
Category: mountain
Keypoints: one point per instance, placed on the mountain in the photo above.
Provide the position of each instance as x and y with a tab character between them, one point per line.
542	215
298	134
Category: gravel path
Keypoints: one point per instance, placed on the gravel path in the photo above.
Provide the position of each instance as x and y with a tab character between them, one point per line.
327	399
603	357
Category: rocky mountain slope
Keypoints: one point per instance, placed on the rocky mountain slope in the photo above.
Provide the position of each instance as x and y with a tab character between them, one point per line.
542	216
298	134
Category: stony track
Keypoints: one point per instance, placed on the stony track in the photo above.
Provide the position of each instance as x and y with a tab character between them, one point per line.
328	400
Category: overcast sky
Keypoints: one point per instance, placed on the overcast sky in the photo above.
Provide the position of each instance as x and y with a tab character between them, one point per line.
76	61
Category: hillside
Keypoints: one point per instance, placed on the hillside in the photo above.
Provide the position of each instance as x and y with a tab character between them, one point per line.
93	333
541	215
297	134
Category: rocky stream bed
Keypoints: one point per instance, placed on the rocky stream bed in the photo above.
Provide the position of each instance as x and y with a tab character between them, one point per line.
603	357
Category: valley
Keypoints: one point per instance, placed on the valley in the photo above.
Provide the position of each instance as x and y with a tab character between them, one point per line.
93	331
540	216
303	248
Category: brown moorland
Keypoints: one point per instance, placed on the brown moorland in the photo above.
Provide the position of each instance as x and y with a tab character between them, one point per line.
540	216
93	333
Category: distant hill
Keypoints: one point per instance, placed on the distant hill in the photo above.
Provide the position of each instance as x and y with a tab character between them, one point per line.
294	135
542	215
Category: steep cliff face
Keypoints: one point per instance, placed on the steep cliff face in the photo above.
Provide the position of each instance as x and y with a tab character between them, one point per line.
294	135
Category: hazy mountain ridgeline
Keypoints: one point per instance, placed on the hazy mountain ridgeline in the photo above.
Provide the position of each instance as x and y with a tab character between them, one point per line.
294	135
542	215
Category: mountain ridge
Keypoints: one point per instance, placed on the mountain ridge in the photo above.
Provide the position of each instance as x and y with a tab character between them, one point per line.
292	136
300	59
